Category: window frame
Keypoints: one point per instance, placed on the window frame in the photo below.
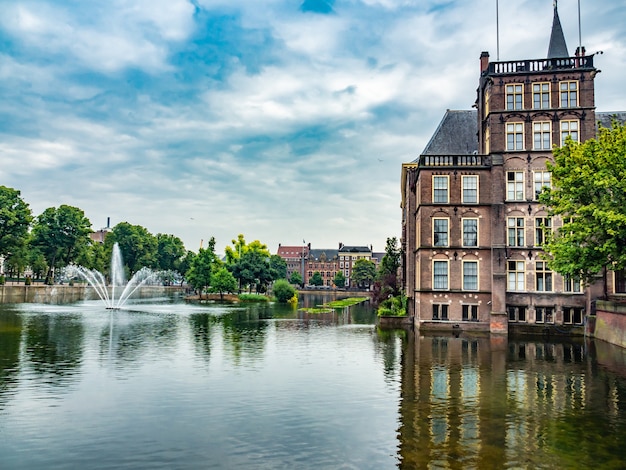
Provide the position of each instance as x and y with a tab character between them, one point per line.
514	311
564	133
516	130
441	312
542	94
435	232
471	276
541	229
441	276
464	199
435	198
571	285
519	275
565	95
543	129
514	91
570	315
544	181
513	227
544	277
544	314
464	232
518	186
469	312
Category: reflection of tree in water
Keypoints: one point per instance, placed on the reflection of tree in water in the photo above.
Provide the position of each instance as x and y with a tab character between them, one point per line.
54	345
10	337
128	335
202	326
388	345
245	332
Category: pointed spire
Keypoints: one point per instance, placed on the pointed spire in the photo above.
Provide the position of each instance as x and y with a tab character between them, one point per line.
557	48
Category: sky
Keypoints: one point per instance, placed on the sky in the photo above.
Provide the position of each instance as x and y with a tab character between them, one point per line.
284	120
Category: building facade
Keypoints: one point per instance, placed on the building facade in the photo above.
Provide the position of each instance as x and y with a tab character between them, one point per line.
473	227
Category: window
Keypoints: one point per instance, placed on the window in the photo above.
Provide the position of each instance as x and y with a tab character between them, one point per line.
543	179
543	225
440	232
440	189
543	277
573	315
470	275
470	232
515	185
440	275
469	312
516	282
542	135
516	313
544	314
569	128
515	136
487	141
572	284
341	264
620	282
516	231
470	189
440	311
514	96
569	94
541	95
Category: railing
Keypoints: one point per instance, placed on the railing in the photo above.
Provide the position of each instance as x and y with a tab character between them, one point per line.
454	160
539	65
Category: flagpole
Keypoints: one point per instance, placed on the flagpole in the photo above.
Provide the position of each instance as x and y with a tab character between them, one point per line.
580	34
497	32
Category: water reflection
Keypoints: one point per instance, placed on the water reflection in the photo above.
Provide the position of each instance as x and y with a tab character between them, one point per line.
493	403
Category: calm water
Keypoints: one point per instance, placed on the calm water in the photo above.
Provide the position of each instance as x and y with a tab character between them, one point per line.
169	385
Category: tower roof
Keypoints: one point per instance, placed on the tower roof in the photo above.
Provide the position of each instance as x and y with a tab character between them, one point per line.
557	48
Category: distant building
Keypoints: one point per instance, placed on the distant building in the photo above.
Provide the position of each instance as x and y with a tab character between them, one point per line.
472	226
101	234
295	257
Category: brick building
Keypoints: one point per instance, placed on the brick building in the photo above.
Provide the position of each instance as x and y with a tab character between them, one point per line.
472	226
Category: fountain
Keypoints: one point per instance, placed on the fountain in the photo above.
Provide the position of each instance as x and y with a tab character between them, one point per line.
109	293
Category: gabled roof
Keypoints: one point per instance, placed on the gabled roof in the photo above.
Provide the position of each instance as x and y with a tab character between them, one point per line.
292	251
355	249
557	48
316	254
606	118
456	134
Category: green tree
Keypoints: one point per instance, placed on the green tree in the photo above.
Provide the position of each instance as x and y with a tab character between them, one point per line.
137	244
316	279
253	269
387	275
202	268
283	291
278	267
170	250
589	194
363	272
223	281
185	263
61	235
240	248
340	279
295	278
15	219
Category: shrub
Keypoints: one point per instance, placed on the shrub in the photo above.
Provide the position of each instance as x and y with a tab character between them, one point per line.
393	306
2	280
283	291
27	281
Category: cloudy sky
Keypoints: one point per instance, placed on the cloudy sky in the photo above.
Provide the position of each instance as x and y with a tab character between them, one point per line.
284	120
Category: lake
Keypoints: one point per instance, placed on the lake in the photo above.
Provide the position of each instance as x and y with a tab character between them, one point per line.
165	384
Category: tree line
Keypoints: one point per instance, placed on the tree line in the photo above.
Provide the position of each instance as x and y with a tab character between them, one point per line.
60	236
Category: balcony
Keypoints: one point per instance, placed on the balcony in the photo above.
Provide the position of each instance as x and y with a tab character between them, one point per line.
454	161
540	65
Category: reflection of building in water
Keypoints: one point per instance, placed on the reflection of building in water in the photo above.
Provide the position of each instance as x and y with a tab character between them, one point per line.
486	403
472	224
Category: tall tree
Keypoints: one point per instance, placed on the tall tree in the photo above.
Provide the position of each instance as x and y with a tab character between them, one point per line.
203	265
278	267
137	244
170	250
316	279
589	194
223	281
15	219
61	235
388	270
340	279
363	272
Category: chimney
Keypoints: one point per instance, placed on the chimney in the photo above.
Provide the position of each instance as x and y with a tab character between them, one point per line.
108	222
484	61
340	245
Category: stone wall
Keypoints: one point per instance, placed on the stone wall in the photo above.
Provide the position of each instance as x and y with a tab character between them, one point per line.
611	322
60	294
